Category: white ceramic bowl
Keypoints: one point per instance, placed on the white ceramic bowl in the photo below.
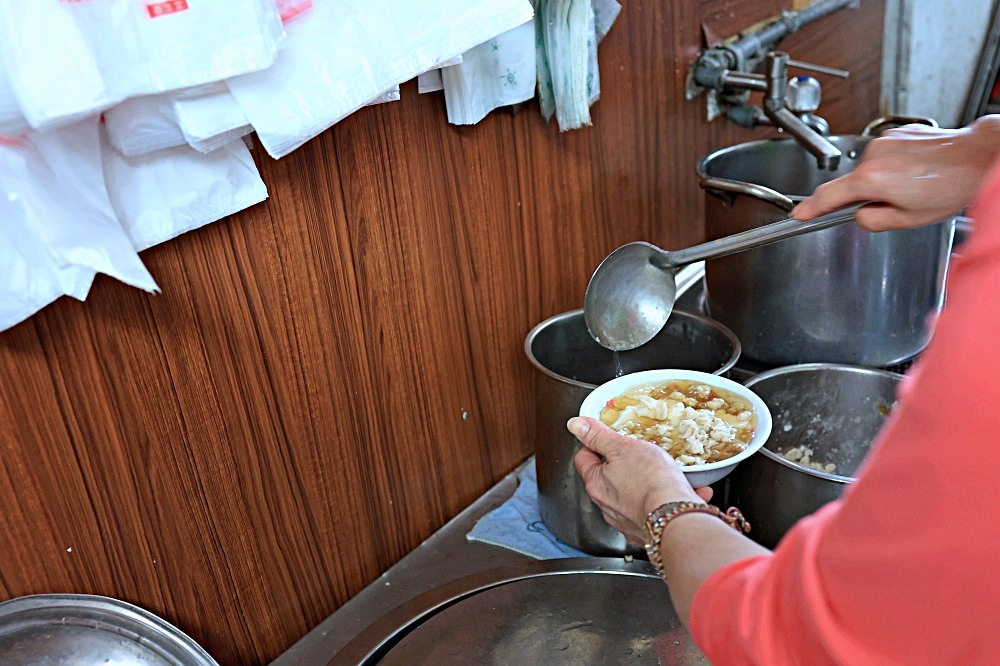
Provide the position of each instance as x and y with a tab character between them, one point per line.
697	475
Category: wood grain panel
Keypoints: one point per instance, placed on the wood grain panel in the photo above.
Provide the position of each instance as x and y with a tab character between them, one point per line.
331	375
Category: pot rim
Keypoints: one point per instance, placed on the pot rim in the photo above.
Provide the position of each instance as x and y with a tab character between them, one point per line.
734	355
801	367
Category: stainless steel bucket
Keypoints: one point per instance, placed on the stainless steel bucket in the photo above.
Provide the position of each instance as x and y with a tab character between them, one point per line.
842	295
835	410
570	365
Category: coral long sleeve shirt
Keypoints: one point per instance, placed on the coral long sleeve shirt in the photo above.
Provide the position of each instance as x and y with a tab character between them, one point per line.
905	567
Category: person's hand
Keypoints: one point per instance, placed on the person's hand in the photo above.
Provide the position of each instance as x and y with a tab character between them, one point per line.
916	175
627	477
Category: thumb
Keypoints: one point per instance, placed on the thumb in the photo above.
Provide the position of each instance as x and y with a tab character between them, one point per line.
594	435
827	197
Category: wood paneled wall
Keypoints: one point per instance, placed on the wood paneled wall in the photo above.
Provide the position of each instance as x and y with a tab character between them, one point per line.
331	375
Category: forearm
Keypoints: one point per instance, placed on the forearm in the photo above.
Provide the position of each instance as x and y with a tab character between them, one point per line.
694	546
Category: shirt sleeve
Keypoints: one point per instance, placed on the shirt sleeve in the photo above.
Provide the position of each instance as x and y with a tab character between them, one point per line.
905	567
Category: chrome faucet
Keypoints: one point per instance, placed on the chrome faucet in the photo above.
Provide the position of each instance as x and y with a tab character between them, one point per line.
788	105
777	109
725	70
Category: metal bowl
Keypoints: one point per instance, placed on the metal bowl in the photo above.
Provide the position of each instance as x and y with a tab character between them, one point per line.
85	630
834	410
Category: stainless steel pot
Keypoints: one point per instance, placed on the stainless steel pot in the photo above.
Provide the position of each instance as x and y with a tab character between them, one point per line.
834	410
570	365
842	295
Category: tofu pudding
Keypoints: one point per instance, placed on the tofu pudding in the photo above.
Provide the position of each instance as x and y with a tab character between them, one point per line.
694	422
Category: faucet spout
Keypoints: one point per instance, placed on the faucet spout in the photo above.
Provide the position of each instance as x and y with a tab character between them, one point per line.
827	155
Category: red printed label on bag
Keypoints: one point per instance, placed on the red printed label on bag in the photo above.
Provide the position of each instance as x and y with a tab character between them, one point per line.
289	10
157	9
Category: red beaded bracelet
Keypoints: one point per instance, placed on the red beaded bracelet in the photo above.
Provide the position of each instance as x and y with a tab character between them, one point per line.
658	519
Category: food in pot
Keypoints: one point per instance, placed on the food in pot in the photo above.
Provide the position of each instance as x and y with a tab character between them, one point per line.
694	422
802	455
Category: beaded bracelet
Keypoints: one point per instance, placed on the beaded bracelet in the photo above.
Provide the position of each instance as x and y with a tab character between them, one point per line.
658	519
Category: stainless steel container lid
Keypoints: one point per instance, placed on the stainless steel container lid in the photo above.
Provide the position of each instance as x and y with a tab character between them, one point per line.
56	629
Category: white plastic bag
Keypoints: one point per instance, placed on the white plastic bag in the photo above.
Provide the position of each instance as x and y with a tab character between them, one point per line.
160	195
498	72
58	175
210	119
143	124
68	60
390	95
430	81
605	14
58	225
12	121
344	53
31	277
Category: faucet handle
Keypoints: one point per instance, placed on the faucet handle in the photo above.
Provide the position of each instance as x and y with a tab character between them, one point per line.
822	69
803	94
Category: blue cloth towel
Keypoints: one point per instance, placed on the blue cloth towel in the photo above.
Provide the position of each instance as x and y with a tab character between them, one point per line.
516	524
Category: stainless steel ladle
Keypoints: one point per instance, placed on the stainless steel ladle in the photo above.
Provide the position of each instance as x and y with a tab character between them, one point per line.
632	292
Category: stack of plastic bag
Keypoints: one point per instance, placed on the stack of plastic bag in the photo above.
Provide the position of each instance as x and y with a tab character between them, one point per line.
498	72
65	61
342	54
71	206
204	119
567	34
179	83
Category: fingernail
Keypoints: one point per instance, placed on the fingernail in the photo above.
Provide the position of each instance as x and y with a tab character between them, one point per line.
578	426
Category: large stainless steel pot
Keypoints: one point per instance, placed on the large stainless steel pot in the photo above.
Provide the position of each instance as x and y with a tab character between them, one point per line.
842	295
836	411
570	365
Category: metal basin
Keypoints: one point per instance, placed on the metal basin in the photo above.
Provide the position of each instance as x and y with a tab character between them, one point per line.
567	611
836	411
87	630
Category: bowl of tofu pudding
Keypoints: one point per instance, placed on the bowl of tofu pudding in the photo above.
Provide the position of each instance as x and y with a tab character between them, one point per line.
708	424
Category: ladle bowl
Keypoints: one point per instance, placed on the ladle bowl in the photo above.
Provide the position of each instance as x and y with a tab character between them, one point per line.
632	292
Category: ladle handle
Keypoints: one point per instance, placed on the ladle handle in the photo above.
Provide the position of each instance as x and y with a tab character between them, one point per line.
769	233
